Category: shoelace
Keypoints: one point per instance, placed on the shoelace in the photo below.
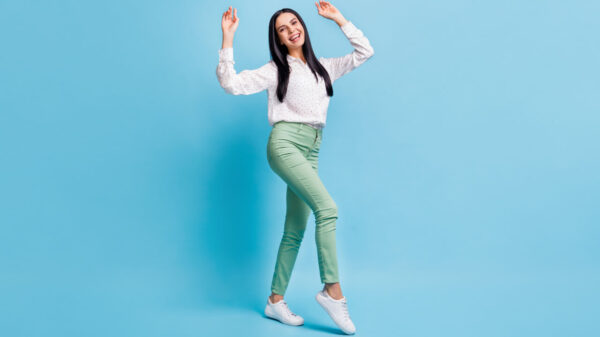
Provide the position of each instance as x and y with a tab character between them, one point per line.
345	310
287	310
346	314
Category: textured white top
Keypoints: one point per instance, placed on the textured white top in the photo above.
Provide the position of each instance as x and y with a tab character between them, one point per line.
306	101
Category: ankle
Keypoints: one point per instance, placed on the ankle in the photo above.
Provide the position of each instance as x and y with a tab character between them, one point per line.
334	290
275	298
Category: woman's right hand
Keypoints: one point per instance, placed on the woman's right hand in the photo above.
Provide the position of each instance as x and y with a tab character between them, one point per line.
229	22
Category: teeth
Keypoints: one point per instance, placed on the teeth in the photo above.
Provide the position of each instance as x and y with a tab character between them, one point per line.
295	36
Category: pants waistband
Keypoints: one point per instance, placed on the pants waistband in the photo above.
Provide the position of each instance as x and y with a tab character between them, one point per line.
298	126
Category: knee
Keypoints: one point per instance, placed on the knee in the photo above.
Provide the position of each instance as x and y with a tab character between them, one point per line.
330	211
325	217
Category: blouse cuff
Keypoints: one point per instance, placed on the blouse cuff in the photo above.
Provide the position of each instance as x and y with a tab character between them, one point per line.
348	28
226	54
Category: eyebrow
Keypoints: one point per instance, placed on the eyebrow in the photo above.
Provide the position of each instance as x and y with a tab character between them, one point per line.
283	25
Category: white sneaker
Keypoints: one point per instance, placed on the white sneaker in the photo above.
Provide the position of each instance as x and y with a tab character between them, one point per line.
337	310
282	313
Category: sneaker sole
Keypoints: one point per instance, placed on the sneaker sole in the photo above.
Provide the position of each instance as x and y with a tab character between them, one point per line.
280	321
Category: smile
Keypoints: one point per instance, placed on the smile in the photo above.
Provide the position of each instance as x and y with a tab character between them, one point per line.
295	38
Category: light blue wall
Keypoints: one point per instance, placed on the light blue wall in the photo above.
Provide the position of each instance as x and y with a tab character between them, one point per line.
136	199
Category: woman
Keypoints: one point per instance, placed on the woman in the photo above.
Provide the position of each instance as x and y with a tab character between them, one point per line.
299	88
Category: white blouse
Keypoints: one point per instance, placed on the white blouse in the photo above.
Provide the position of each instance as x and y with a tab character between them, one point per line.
306	100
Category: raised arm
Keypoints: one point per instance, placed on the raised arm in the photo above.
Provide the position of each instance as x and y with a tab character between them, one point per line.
338	66
247	81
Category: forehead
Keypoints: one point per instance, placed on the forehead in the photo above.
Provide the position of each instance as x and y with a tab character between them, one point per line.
284	18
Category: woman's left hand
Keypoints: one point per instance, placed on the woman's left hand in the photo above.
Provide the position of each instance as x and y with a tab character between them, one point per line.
327	10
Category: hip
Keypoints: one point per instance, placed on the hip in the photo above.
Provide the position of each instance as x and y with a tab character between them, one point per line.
285	135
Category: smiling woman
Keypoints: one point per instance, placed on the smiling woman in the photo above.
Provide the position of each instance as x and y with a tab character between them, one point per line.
299	88
291	34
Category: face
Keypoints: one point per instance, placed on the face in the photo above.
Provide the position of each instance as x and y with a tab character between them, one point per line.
290	30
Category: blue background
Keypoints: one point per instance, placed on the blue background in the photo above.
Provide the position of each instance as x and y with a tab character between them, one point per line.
136	199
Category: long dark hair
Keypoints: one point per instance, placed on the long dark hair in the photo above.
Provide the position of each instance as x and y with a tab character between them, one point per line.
279	54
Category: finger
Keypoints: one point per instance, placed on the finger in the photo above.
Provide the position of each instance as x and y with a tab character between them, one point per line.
235	13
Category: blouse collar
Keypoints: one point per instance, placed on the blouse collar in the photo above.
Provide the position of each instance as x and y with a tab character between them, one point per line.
295	59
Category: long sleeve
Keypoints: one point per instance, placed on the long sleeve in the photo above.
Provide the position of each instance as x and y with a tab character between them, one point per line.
338	66
246	82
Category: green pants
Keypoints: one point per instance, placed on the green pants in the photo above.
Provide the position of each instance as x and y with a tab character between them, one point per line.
293	154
